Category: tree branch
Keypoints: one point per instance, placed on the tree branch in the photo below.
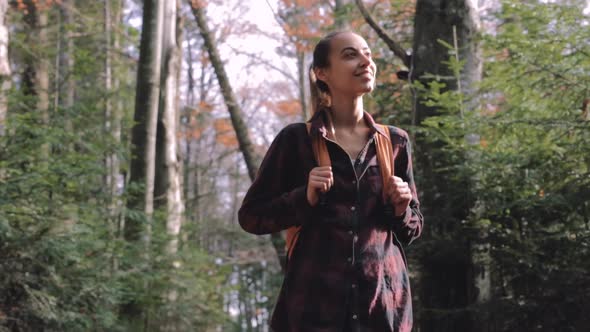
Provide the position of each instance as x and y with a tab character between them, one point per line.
393	46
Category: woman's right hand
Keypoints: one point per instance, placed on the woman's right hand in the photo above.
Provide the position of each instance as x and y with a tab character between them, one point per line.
320	180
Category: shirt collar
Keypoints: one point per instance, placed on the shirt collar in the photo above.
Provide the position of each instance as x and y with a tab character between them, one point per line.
320	122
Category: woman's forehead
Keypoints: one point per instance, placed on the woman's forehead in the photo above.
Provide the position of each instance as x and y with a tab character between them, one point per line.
347	40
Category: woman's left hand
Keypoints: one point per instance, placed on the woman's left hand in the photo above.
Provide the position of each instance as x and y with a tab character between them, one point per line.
400	195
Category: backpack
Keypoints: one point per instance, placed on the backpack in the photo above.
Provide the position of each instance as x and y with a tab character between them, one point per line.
385	159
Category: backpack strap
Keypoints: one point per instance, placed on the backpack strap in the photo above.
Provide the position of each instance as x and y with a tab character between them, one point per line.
322	157
385	159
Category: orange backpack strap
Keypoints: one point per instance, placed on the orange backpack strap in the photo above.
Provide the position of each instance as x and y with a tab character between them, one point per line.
322	157
385	159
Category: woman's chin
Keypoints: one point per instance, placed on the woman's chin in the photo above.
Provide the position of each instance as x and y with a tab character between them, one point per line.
367	89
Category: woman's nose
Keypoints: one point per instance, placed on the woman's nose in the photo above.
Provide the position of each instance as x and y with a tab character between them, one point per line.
365	60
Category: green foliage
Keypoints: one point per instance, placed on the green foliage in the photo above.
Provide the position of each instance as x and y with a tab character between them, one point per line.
55	257
64	265
60	259
525	147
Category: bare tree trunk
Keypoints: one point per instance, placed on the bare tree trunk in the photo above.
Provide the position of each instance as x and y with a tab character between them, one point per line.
5	72
237	118
119	181
146	114
68	59
172	47
456	23
41	69
302	86
111	176
143	138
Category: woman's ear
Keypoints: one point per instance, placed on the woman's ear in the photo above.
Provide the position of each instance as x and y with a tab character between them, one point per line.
320	74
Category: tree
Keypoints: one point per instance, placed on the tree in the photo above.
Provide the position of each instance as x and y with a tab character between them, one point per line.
172	48
455	26
251	158
5	71
143	153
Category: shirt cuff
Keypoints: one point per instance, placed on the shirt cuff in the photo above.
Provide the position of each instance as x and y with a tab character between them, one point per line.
404	218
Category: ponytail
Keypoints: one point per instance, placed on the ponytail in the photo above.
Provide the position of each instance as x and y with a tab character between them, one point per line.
319	92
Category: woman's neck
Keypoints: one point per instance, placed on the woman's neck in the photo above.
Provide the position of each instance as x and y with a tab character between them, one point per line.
347	113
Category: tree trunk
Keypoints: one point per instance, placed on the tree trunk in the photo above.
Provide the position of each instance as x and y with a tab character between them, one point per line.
111	158
37	70
172	47
117	116
68	60
143	138
237	118
455	22
302	86
5	72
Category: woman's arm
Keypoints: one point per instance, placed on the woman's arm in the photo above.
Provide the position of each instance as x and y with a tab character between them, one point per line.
273	202
408	226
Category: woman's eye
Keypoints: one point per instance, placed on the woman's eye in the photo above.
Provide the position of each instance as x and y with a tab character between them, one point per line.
349	55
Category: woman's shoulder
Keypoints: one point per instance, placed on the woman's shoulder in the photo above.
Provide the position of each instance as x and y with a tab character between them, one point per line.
293	130
398	135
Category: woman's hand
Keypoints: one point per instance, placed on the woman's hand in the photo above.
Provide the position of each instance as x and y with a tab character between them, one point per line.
320	180
400	195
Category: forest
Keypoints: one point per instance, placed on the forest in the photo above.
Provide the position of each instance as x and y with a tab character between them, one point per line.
131	130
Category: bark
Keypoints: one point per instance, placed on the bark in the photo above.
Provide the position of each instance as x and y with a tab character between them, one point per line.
42	79
68	59
456	23
111	158
143	138
5	72
113	116
172	48
117	117
301	84
237	118
36	73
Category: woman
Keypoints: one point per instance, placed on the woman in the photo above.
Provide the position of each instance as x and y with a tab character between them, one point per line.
347	271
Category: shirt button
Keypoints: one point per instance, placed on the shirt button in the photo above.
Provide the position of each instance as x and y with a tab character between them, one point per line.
354	317
352	208
355	238
353	181
349	259
353	286
350	232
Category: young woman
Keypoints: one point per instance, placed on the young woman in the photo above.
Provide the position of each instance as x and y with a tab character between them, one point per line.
347	270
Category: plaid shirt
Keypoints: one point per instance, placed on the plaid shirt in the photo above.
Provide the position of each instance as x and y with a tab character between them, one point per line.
348	270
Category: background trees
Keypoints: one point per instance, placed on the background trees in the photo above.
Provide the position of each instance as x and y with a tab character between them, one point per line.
495	95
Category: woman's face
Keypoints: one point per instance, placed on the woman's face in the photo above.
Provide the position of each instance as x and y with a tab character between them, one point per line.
351	69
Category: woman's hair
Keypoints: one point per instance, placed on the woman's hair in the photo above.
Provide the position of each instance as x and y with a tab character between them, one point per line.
320	93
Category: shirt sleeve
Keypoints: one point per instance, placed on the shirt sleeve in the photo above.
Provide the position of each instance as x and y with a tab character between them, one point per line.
408	226
273	203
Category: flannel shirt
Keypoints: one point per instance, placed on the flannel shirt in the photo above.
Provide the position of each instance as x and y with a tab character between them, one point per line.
348	269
